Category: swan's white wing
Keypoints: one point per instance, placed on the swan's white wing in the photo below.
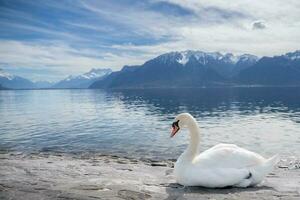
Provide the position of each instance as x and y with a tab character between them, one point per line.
227	156
218	177
222	165
223	145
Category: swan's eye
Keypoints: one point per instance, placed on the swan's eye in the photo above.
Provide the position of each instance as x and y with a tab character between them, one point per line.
175	124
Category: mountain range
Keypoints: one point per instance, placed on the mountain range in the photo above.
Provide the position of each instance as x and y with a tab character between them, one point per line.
181	69
2	88
277	71
9	81
14	82
202	69
83	80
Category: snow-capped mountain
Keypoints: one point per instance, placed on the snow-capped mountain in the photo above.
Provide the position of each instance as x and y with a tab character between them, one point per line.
14	82
202	69
205	58
83	80
276	70
225	64
6	75
293	55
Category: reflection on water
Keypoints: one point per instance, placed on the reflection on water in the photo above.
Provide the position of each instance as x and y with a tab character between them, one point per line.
137	122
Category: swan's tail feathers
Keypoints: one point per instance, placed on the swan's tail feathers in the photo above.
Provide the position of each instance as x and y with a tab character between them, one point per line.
272	161
260	171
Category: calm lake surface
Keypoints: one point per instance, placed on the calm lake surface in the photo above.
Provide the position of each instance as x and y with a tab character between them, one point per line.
136	123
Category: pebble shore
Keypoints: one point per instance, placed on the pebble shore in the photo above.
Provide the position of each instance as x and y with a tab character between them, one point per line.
92	177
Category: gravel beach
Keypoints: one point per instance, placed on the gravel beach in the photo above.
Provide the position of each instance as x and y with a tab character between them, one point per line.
95	176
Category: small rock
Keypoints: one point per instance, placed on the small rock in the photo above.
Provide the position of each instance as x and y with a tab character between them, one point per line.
159	164
283	167
133	195
121	162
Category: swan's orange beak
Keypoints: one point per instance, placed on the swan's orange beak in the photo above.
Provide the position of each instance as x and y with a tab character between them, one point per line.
175	129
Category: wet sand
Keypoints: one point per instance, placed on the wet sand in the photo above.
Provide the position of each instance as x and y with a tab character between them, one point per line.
90	177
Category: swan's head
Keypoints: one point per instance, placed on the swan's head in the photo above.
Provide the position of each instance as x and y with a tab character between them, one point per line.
182	120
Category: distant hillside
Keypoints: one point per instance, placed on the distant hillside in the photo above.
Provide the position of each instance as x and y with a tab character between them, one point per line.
2	88
201	69
180	69
84	80
277	70
10	81
14	82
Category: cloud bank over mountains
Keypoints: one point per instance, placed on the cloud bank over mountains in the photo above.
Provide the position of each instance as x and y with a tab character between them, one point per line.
40	39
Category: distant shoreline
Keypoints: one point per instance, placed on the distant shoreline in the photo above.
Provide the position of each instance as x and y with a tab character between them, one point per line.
149	88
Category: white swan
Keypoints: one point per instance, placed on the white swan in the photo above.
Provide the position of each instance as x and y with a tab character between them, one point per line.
220	166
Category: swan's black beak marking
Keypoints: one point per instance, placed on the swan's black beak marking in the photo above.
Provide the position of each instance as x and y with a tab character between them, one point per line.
175	128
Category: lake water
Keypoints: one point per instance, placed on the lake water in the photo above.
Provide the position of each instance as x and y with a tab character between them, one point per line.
136	123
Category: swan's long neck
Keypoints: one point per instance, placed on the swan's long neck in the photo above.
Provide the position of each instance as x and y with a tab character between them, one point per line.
192	149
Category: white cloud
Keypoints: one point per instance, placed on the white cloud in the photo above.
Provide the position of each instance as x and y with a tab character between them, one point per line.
137	20
59	57
218	25
228	28
236	34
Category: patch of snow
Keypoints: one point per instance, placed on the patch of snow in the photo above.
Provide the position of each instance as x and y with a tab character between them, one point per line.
92	74
248	57
293	56
69	78
184	58
6	75
215	55
200	56
230	58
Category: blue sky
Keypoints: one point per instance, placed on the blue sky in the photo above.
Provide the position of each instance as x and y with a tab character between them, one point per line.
48	40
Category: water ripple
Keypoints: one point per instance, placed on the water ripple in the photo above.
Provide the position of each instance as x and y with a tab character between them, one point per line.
137	122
